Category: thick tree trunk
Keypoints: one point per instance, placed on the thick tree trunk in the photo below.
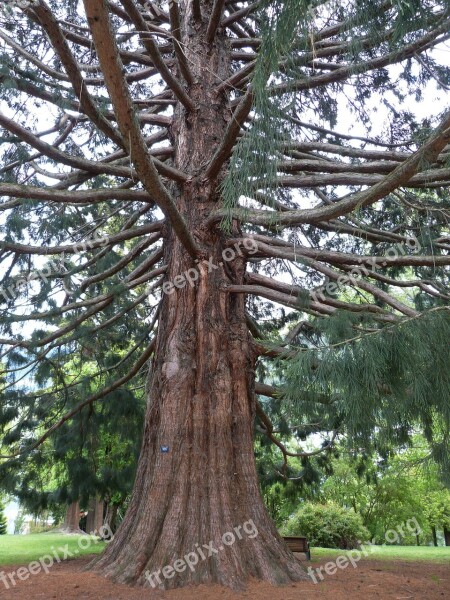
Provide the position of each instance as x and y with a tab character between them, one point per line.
447	536
196	481
434	533
110	517
94	520
72	519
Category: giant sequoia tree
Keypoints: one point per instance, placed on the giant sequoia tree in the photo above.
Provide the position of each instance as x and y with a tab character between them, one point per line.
173	176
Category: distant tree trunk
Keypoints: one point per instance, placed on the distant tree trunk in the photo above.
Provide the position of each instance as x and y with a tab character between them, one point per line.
447	536
72	518
111	516
434	533
94	521
418	539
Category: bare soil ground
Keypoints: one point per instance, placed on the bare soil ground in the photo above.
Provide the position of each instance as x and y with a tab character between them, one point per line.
370	580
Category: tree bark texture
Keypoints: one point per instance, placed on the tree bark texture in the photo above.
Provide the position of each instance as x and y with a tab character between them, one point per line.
447	536
72	518
94	520
196	479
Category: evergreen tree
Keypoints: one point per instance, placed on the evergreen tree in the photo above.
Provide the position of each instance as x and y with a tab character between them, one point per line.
94	455
217	187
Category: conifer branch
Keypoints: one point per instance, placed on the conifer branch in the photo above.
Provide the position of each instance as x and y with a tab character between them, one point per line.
98	396
223	152
141	26
175	27
106	46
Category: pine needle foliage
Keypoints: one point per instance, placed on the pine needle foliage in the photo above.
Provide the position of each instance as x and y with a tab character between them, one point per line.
255	158
391	381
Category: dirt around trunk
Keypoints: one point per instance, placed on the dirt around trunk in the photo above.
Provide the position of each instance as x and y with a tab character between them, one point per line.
370	580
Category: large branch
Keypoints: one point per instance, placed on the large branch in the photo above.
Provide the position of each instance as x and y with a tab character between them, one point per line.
351	176
341	74
104	40
343	258
73	197
223	152
141	26
378	294
40	11
427	154
179	52
83	245
214	20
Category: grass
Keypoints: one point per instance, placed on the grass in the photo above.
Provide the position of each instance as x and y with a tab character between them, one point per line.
388	553
22	549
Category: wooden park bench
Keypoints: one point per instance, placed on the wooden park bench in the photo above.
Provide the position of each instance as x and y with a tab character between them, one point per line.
298	544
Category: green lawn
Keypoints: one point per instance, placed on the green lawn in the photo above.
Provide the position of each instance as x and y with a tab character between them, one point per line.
22	549
426	553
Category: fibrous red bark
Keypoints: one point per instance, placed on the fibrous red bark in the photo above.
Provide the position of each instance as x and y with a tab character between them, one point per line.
196	488
72	518
94	520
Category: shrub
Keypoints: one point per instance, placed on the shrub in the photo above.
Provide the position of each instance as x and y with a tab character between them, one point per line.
327	526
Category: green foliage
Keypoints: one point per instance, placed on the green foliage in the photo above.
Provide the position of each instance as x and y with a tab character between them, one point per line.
386	491
327	526
437	510
19	522
93	454
286	30
388	380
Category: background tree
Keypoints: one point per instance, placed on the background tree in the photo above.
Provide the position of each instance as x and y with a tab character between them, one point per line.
328	526
3	521
385	491
89	463
179	176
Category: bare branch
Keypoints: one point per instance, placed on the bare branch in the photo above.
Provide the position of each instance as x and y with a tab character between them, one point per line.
82	245
42	12
223	152
107	51
214	20
176	32
141	25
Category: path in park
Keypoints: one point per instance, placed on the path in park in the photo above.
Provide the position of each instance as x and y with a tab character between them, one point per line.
371	580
